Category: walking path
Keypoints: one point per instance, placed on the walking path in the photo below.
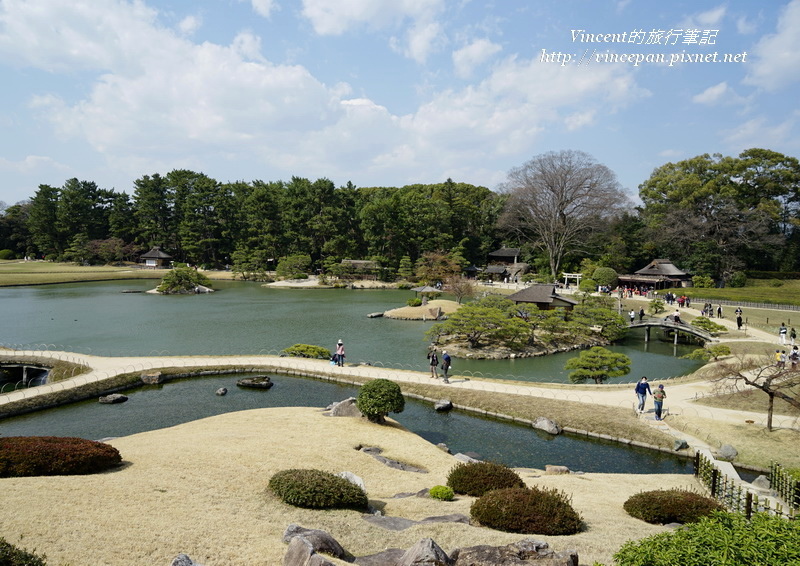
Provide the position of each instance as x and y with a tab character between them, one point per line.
680	400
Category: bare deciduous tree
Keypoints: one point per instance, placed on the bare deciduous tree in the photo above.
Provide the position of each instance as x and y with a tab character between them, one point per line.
556	199
762	373
460	287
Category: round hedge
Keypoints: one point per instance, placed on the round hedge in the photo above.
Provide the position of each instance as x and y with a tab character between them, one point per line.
378	398
441	492
663	506
315	489
528	511
477	478
22	456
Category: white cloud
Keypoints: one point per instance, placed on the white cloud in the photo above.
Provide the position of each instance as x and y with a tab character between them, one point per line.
82	34
473	55
417	18
745	26
757	133
335	18
189	25
711	17
712	94
264	7
30	163
776	57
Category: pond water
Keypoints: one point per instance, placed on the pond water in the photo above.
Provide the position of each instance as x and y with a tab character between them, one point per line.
176	402
246	318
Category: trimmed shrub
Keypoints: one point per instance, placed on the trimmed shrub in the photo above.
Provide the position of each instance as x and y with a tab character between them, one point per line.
721	538
708	325
22	456
378	398
738	279
670	506
307	351
10	555
441	492
414	302
605	276
7	254
528	511
477	478
315	489
702	281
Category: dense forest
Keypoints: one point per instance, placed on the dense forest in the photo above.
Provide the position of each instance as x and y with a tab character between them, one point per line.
712	215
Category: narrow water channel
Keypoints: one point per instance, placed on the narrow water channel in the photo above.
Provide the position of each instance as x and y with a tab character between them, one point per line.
180	401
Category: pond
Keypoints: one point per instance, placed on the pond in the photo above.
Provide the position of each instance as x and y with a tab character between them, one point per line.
180	401
246	318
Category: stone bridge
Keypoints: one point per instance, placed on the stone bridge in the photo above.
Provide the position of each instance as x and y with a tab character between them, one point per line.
673	326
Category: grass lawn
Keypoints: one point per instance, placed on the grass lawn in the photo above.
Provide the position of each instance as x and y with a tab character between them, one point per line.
15	272
757	291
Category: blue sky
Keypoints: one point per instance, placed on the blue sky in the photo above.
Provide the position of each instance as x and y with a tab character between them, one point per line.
385	92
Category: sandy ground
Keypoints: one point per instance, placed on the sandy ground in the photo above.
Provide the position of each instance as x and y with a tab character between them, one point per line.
201	489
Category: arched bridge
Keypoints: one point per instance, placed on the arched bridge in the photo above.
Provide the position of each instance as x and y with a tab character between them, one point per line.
669	325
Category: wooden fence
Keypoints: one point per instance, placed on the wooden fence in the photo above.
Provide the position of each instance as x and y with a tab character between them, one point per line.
785	485
733	495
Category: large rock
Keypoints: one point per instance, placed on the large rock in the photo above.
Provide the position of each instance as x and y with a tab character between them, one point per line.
425	553
113	399
761	483
465	458
520	553
301	553
222	391
354	479
443	405
680	444
255	382
545	424
320	541
152	378
727	453
551	470
346	408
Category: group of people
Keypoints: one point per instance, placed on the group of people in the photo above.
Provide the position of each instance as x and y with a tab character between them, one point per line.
683	301
642	389
781	358
783	332
433	360
708	310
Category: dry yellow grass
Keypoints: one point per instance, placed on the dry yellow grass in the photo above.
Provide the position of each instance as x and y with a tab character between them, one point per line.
201	488
423	312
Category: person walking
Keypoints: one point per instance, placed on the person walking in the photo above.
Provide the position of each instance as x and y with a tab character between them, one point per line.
433	360
738	322
719	311
632	314
340	353
658	400
794	357
641	314
792	335
446	362
642	389
782	333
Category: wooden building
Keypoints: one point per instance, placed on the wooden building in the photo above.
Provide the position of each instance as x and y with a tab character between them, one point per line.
658	274
155	258
543	296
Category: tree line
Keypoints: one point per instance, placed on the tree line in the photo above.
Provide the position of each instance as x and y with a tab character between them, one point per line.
713	215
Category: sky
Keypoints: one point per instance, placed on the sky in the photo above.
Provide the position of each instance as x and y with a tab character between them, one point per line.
386	92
